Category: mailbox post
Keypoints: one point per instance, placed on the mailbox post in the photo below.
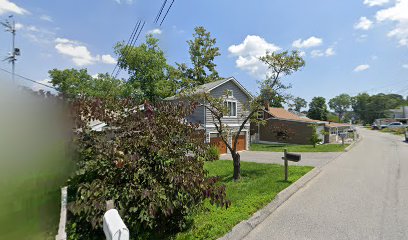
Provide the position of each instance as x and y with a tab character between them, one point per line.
289	157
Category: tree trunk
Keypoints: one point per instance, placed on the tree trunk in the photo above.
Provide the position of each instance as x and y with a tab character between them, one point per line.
237	166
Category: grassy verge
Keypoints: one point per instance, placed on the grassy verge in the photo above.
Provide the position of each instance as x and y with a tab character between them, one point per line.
259	185
299	148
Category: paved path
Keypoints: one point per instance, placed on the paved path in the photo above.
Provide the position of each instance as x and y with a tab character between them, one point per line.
308	159
363	194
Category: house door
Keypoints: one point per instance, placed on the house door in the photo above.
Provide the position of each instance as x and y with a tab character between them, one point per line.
241	143
217	141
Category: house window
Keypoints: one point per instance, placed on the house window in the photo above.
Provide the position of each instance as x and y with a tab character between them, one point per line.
333	131
260	115
232	108
230	94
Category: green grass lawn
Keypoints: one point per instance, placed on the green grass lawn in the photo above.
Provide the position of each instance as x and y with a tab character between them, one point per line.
298	148
259	185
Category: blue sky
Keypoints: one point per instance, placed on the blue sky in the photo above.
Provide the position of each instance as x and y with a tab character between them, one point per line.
350	46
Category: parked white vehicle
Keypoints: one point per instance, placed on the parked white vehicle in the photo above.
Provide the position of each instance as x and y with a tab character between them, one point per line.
395	125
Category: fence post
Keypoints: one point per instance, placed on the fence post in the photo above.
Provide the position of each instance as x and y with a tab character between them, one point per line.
62	235
285	151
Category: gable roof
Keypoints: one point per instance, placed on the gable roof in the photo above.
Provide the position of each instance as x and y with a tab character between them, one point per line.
208	87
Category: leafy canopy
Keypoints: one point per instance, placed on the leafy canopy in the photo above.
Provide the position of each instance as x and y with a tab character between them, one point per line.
340	104
202	52
279	64
318	109
148	69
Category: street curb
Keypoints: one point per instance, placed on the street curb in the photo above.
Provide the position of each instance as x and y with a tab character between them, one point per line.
353	144
243	228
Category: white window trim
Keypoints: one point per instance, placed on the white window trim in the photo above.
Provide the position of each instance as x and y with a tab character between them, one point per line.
236	108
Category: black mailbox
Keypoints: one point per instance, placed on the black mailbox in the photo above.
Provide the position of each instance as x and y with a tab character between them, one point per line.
293	157
289	157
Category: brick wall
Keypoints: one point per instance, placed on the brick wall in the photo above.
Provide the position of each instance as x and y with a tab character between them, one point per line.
298	132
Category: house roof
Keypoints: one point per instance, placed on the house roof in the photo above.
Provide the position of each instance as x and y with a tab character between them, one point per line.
208	87
282	113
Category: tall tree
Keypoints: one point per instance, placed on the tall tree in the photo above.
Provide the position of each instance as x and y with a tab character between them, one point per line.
298	104
73	83
148	69
368	108
279	65
318	109
340	104
202	51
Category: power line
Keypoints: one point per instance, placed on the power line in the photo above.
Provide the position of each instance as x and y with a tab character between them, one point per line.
160	12
167	12
28	79
132	44
135	29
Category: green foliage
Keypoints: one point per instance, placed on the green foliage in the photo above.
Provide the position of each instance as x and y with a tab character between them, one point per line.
279	64
150	162
148	69
259	185
368	108
298	104
298	148
318	109
202	54
314	139
333	118
73	83
213	153
340	104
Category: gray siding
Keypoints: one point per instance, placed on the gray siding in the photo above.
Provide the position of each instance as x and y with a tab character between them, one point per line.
238	95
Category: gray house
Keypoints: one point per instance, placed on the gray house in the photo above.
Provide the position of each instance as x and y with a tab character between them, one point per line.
236	97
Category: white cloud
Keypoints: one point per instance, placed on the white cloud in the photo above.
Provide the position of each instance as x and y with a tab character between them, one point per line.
361	68
46	18
372	3
80	54
329	52
320	53
308	43
8	7
398	14
362	38
405	66
155	31
108	59
364	24
248	53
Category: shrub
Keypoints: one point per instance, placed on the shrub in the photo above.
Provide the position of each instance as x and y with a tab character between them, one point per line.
151	163
314	139
213	153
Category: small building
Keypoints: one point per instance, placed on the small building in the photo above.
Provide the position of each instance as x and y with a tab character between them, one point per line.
284	127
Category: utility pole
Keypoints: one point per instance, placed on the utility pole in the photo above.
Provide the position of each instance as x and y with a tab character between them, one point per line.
11	27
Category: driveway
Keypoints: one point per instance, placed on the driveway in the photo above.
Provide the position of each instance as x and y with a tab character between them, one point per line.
308	159
362	194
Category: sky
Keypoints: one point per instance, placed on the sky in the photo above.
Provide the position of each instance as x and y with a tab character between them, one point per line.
349	46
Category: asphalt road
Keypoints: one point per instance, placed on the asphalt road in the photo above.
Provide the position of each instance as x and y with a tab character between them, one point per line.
362	194
308	158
